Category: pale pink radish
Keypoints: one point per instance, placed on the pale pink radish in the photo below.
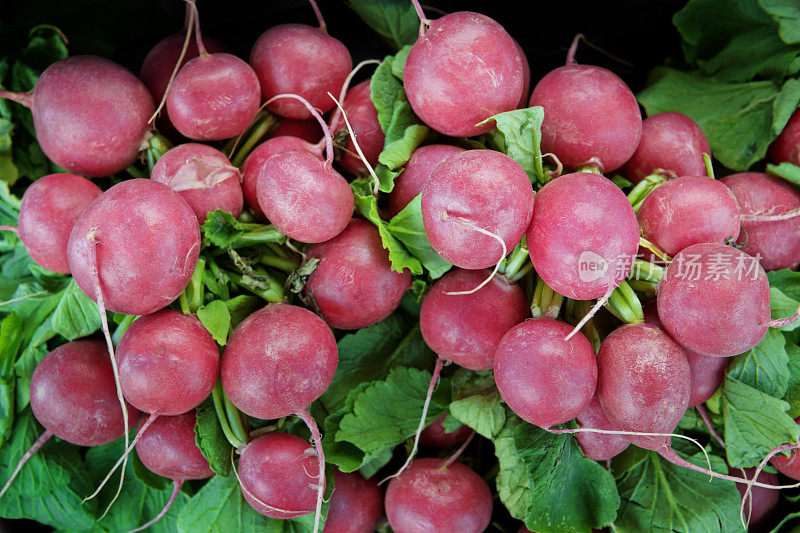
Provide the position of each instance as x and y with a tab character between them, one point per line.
788	466
599	446
415	174
364	119
356	504
435	436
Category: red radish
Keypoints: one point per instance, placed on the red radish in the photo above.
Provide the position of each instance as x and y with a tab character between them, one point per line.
435	435
305	129
464	69
50	207
356	504
591	118
583	235
204	178
364	119
274	475
543	378
526	77
788	466
687	211
143	241
466	328
354	285
168	363
74	396
432	495
90	115
471	202
786	147
415	174
762	201
252	166
302	60
168	448
599	446
761	501
644	383
672	144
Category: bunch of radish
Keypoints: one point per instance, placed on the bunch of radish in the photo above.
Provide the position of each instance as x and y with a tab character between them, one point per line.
535	262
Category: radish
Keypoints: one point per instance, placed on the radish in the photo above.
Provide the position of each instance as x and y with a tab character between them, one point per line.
786	147
599	446
353	284
50	207
462	70
306	129
672	144
476	206
274	475
761	501
788	466
467	328
770	223
415	174
583	236
364	119
689	210
356	504
437	495
543	378
139	241
168	448
435	435
204	178
591	118
90	115
705	278
74	396
526	77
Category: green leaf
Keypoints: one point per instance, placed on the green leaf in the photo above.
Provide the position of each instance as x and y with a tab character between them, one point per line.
659	496
211	440
408	228
787	14
477	402
222	229
519	135
241	307
216	317
385	89
394	20
792	396
787	281
404	133
765	367
75	315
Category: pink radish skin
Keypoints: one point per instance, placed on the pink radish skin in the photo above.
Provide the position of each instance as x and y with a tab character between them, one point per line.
356	504
687	211
296	353
432	496
526	77
543	378
148	245
50	207
252	165
354	285
204	178
689	305
90	115
302	60
476	189
786	147
168	448
599	446
74	397
306	129
466	328
788	466
644	383
671	144
275	475
582	219
763	500
435	436
590	117
776	242
168	363
363	118
465	69
415	174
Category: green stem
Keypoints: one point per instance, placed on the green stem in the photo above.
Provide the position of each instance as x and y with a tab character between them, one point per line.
522	272
216	394
515	261
536	301
624	304
709	165
287	265
646	271
183	301
191	298
272	294
554	307
264	234
642	286
234	418
126	322
158	145
278	250
643	188
261	128
644	243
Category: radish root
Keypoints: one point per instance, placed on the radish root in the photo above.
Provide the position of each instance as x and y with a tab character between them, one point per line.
357	147
704	416
24	459
315	112
24	99
305	415
464	223
318	14
759	468
176	489
596	307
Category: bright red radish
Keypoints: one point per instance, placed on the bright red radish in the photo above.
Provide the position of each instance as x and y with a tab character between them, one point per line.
788	466
204	178
356	504
143	241
275	475
471	202
583	235
415	174
591	118
431	495
543	378
466	328
672	144
50	207
90	115
354	285
599	446
775	242
761	501
464	69
435	435
364	119
306	129
786	148
168	363
687	211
